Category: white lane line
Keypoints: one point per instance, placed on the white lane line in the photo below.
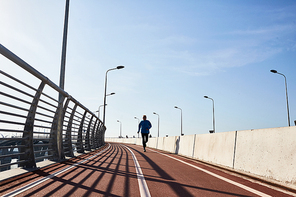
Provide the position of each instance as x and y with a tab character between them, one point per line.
22	189
144	190
219	177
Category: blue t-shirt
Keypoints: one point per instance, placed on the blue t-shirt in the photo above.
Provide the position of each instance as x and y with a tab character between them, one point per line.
144	125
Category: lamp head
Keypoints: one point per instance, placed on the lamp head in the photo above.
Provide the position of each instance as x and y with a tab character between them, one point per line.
120	67
273	71
206	96
176	107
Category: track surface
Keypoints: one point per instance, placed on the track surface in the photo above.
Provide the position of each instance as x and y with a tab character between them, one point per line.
126	170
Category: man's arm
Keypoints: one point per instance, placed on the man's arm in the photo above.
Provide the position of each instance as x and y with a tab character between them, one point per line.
139	127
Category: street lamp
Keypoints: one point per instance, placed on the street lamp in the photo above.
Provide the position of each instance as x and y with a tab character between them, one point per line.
274	71
120	136
99	110
158	123
64	48
213	131
138	119
181	119
103	105
110	94
118	67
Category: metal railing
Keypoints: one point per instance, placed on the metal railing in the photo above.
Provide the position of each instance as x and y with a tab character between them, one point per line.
34	126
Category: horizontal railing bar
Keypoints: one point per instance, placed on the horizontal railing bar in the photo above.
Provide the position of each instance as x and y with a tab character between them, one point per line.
18	146
13	97
40	151
44	157
13	114
45	115
11	155
48	103
12	122
17	80
13	138
41	126
41	107
39	132
16	89
12	130
13	106
10	164
49	144
53	99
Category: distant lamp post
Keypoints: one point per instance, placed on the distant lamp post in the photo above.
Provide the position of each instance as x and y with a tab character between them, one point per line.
138	123
138	119
104	113
103	105
99	110
212	131
120	134
181	120
274	71
110	94
158	123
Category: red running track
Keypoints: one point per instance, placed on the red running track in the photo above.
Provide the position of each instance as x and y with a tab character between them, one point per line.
126	170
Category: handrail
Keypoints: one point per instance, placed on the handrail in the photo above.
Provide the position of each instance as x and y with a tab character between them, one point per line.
45	128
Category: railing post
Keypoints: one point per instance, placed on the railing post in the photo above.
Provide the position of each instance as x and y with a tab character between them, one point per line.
80	148
28	132
68	140
93	134
87	140
100	136
56	133
97	135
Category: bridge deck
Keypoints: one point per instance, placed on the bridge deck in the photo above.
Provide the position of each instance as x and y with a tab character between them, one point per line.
126	170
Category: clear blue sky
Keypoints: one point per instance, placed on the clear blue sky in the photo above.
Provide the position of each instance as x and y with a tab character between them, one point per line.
174	53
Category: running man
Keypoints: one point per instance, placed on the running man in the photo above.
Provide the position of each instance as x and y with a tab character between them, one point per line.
144	125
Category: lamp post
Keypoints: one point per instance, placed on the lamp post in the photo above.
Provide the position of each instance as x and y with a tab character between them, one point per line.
213	114
103	105
110	94
99	110
138	123
104	113
158	123
181	119
64	48
274	71
120	136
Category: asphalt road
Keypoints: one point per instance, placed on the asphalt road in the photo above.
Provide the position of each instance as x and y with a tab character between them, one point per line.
126	170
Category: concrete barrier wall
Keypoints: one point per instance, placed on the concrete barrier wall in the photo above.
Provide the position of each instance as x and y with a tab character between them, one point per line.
217	148
152	142
168	144
269	153
185	146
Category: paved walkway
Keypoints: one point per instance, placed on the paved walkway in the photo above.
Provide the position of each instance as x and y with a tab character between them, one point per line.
126	170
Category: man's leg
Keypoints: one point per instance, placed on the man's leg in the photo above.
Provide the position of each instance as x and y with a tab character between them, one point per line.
143	140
